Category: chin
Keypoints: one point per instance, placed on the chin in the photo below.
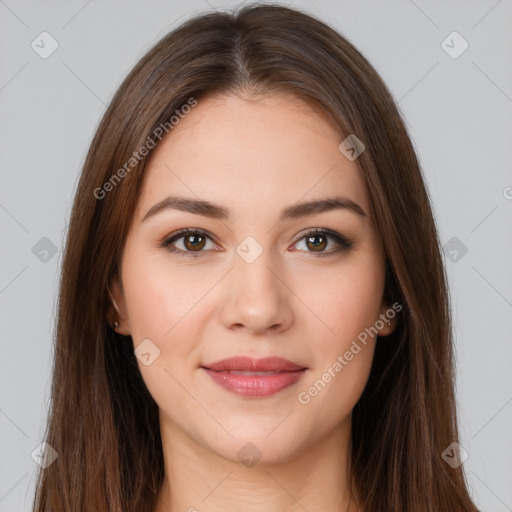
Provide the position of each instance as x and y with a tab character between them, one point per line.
259	445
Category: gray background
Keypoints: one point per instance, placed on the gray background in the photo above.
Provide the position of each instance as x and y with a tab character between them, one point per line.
458	111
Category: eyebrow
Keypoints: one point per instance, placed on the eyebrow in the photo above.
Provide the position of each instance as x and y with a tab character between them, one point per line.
215	211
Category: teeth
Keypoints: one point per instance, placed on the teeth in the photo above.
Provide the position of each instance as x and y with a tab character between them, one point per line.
261	374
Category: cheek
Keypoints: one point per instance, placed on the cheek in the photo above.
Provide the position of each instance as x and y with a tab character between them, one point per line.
348	307
158	311
346	302
148	302
158	298
167	308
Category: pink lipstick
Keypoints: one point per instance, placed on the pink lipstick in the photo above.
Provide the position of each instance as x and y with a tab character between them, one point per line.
249	377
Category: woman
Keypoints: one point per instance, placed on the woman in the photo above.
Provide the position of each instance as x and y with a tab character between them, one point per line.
253	310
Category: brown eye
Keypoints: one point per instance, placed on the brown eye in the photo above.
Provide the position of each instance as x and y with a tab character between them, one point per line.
194	242
317	240
314	243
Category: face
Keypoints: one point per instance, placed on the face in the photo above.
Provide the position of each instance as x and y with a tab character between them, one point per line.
248	280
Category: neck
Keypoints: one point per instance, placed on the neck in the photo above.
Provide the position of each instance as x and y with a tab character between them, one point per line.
197	479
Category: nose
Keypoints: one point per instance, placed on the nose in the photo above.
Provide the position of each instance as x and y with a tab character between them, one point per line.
256	297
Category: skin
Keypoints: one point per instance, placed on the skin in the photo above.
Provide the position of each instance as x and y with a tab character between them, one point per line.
255	157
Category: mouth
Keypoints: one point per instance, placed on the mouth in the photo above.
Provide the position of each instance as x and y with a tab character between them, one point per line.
247	377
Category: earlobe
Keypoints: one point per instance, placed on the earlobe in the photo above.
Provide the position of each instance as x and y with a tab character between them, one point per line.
387	321
116	311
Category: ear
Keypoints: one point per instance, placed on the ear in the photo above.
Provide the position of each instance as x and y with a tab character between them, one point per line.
117	308
388	318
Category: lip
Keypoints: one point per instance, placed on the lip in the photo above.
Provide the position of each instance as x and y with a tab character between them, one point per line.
245	363
281	374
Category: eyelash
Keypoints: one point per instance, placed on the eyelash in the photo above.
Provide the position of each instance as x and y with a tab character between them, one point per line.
344	244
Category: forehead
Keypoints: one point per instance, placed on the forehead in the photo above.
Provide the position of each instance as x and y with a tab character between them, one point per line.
251	154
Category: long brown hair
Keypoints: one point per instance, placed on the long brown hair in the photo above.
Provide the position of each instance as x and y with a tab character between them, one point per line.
102	421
